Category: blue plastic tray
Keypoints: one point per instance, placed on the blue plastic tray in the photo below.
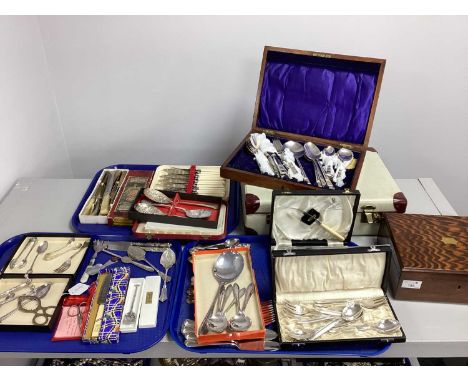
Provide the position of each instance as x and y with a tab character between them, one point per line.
261	264
125	232
30	341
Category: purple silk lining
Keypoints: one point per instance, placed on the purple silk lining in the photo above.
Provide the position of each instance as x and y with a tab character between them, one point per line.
320	102
243	160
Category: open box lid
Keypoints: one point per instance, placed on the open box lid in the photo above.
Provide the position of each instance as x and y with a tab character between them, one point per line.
326	96
334	274
312	218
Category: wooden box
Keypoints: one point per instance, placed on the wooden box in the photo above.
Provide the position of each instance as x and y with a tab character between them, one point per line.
327	99
431	257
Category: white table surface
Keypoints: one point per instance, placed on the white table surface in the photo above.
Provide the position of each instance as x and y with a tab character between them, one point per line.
432	329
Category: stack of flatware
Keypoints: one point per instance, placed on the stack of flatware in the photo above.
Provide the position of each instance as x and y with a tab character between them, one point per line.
204	180
105	193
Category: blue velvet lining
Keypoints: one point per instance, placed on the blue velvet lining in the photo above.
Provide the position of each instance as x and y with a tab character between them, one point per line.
244	160
318	97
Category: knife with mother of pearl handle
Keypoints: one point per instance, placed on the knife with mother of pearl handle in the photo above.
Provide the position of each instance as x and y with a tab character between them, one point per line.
106	198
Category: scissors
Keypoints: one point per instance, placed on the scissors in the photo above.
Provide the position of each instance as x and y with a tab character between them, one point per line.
75	311
41	313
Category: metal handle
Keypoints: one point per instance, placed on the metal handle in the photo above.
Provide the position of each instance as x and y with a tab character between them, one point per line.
318	178
306	179
273	164
326	329
279	164
85	277
325	179
203	329
248	294
142	266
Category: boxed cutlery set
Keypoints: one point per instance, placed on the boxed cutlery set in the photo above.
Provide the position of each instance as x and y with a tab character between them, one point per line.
312	121
333	291
34	279
228	272
152	202
74	293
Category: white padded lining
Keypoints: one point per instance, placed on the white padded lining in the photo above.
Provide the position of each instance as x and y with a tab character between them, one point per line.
305	279
336	211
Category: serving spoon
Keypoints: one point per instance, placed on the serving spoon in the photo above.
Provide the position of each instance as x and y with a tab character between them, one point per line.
161	198
228	266
146	207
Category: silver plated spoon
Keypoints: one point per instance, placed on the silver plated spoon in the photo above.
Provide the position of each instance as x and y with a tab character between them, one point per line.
145	207
350	312
312	152
14	263
23	262
241	322
218	322
40	249
228	243
129	260
298	151
138	254
161	198
167	260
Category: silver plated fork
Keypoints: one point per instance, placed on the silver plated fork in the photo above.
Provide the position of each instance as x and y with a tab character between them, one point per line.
67	263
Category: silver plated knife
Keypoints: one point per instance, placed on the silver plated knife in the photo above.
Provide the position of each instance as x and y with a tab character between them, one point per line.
105	204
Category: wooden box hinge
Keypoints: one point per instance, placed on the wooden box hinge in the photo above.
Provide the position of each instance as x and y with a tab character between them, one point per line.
269	132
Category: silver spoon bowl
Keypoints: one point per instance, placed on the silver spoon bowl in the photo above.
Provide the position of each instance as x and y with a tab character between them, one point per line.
138	254
145	207
228	266
298	151
387	325
241	322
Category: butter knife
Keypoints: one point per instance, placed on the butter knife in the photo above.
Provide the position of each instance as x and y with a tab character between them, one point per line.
119	179
96	204
123	245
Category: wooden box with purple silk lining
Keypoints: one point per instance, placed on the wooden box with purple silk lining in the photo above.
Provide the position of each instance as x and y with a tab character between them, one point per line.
304	96
431	257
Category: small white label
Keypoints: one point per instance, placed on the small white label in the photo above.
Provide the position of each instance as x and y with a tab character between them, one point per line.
78	289
411	284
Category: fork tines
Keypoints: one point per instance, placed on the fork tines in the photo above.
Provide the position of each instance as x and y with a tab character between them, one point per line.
268	312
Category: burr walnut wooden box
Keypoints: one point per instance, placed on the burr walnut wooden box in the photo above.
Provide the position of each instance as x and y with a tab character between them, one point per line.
327	99
431	257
